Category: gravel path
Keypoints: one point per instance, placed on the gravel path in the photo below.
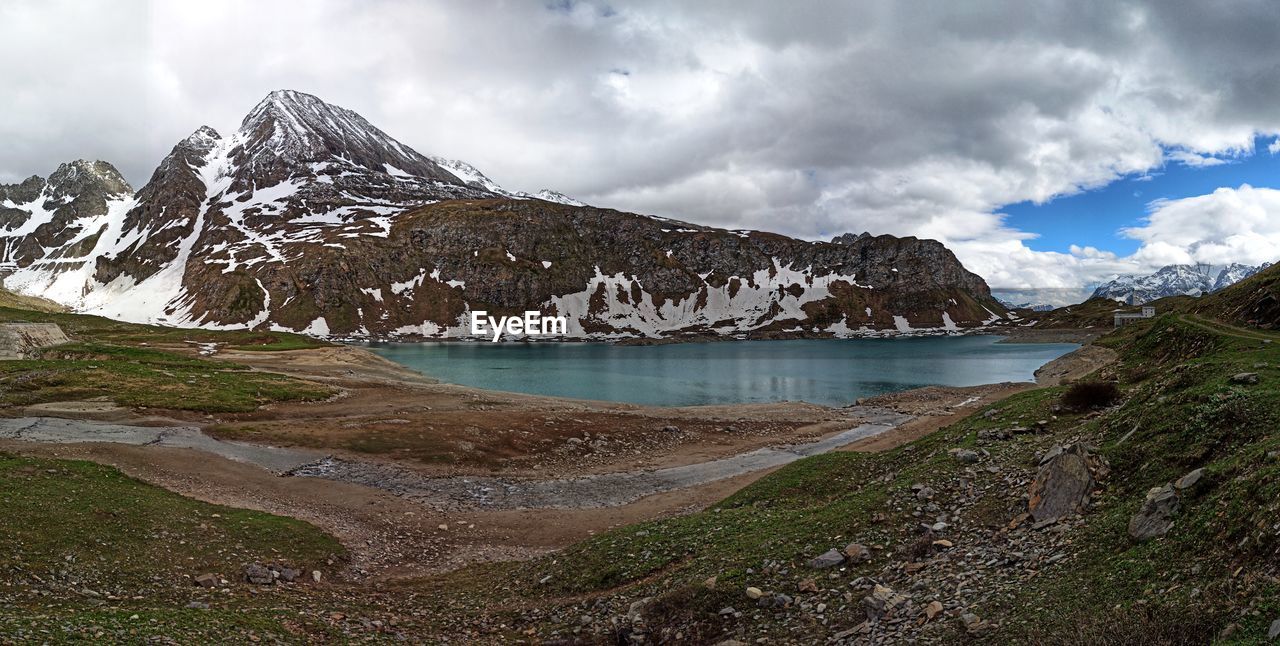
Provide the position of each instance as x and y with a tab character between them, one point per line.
460	492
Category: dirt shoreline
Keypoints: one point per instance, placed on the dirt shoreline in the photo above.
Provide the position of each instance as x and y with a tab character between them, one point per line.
392	535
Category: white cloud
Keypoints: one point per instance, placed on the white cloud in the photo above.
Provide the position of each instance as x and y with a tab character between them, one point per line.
810	119
1228	225
1195	160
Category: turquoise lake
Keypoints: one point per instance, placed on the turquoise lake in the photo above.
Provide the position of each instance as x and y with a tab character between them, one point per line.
834	372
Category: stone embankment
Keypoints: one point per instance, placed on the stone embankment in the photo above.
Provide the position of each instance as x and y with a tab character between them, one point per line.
19	340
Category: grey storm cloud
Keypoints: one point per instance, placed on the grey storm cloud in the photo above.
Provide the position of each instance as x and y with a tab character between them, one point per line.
809	118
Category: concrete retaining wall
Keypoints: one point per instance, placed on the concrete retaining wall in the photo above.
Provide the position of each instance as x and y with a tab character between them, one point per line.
18	340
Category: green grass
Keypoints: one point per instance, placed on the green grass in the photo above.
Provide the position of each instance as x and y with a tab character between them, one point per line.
145	366
103	330
89	554
145	377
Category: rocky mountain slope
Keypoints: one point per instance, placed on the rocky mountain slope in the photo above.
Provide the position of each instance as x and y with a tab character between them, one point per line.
309	218
1254	301
1175	280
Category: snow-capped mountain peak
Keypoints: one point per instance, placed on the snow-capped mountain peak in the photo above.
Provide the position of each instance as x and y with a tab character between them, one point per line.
555	196
289	128
470	175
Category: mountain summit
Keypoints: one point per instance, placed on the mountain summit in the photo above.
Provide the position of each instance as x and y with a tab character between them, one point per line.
288	129
309	218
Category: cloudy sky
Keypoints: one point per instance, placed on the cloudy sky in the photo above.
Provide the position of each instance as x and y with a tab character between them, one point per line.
1050	144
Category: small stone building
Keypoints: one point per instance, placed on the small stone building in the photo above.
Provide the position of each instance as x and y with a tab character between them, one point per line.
1123	318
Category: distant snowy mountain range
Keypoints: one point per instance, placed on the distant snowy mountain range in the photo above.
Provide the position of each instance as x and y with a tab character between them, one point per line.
1175	280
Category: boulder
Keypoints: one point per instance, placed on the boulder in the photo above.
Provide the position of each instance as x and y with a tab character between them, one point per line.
972	623
965	456
1063	484
1274	632
881	602
932	610
754	593
207	580
857	553
1188	481
258	574
827	559
1155	517
1245	378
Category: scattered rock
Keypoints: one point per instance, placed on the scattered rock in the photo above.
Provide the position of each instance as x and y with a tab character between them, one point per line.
754	593
710	583
972	622
1155	517
857	553
1051	454
258	574
1275	630
995	434
289	575
315	576
807	585
636	608
207	580
827	559
932	610
1245	378
198	605
965	456
882	601
778	600
1188	481
670	429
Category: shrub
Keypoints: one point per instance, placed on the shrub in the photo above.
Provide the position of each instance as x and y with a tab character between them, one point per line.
1088	395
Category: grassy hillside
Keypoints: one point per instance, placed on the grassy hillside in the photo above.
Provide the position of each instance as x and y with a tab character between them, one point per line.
151	366
33	303
104	330
1098	312
1254	301
90	555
